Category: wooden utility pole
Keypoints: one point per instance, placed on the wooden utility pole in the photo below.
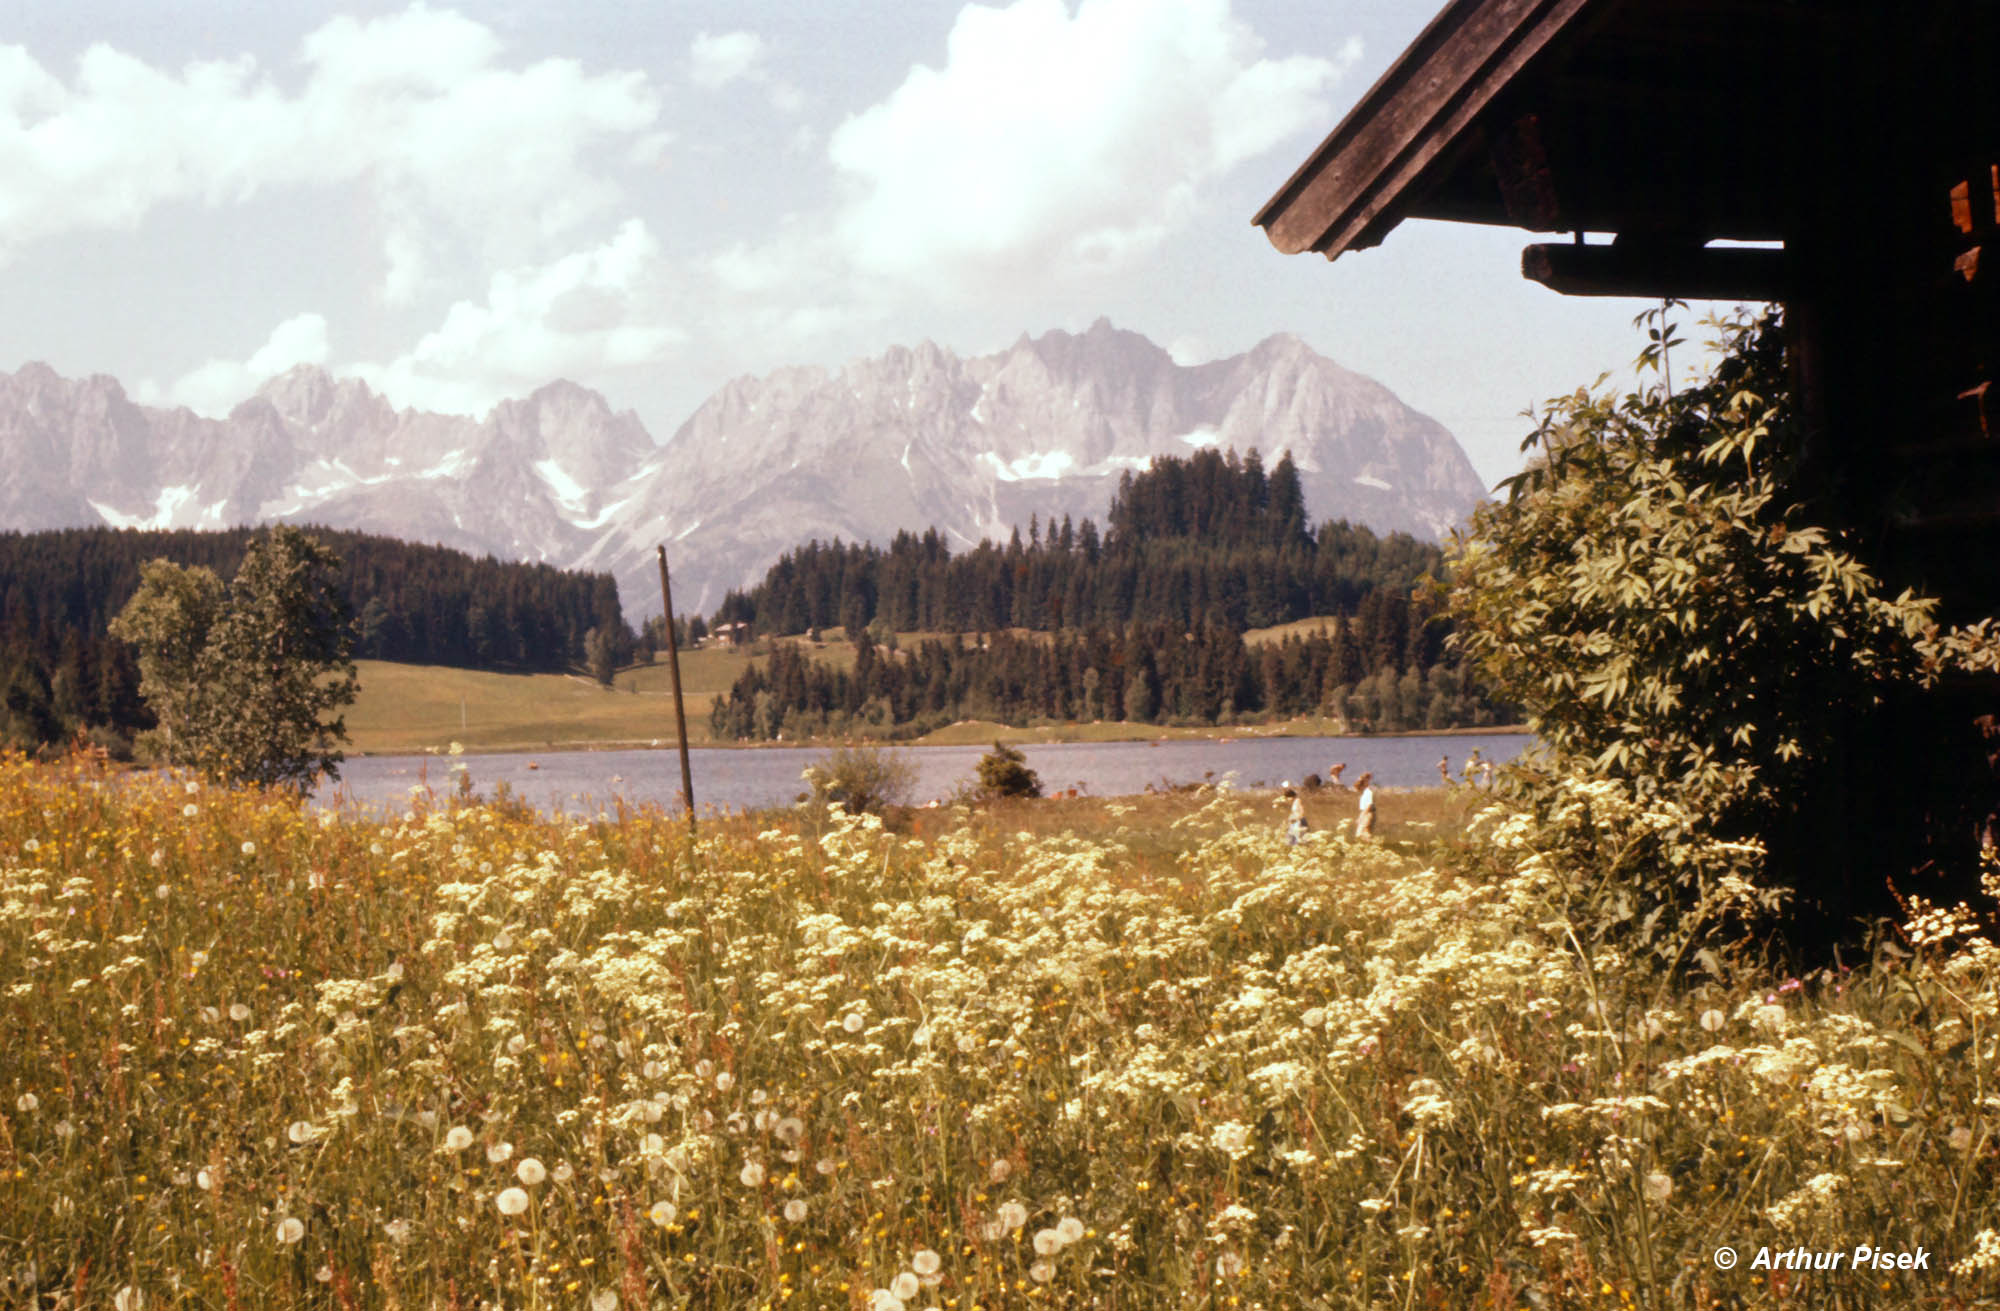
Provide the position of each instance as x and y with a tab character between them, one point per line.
680	708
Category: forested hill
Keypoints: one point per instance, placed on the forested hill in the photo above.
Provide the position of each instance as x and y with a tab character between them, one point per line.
1148	620
60	670
1204	540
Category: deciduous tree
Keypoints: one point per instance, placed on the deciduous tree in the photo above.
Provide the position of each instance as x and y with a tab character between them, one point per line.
241	681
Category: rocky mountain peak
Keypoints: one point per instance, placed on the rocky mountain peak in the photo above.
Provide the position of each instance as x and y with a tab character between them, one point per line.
34	374
308	397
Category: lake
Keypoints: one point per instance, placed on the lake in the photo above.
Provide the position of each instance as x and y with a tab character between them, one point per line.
736	778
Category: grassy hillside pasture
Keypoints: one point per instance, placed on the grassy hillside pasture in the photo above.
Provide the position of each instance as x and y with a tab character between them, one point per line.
1299	628
414	707
407	708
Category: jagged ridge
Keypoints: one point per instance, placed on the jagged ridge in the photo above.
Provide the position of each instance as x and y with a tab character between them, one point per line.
913	438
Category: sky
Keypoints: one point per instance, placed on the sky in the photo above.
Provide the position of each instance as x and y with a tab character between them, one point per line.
460	202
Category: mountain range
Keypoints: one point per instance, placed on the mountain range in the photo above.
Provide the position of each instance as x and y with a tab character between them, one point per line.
914	438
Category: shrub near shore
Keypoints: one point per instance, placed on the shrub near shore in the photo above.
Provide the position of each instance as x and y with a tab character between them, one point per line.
255	1055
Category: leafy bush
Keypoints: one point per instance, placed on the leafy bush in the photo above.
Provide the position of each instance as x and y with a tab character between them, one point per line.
1004	772
863	780
1653	592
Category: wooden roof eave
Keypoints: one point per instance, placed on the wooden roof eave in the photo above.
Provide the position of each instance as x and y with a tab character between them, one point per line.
1365	176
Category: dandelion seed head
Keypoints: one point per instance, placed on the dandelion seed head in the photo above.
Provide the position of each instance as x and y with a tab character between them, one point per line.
512	1201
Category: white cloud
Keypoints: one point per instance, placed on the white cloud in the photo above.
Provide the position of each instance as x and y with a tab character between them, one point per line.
581	315
716	61
1054	142
298	340
219	386
405	275
417	107
1190	349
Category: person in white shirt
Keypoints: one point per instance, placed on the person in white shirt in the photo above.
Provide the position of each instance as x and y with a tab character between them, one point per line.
1364	818
1295	827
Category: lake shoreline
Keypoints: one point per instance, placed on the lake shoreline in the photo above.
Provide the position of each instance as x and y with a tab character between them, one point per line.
585	780
964	733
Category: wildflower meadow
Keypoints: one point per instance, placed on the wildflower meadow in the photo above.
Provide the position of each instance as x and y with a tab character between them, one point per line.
253	1054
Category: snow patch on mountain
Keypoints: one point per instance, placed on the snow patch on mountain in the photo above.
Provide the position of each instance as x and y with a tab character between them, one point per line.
1037	464
166	510
569	493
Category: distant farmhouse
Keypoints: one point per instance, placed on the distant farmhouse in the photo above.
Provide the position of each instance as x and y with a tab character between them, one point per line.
736	634
1839	156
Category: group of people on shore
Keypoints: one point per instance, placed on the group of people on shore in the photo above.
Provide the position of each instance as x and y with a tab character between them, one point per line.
1364	818
1478	772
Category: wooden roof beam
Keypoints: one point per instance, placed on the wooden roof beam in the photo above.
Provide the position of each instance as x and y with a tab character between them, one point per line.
1690	272
1342	197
